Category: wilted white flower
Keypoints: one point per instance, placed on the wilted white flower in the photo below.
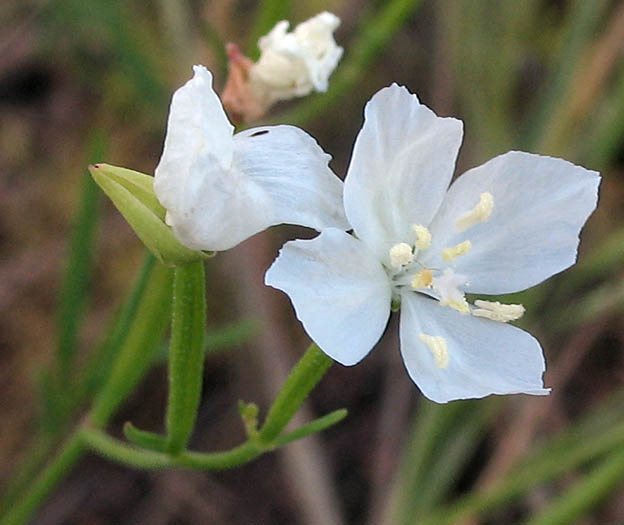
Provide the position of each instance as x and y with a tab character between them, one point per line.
296	63
500	228
220	188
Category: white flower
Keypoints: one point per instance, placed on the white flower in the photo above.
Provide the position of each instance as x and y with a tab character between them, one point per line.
501	227
219	188
294	64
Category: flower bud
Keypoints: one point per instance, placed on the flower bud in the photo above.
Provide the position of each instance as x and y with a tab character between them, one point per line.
292	64
133	195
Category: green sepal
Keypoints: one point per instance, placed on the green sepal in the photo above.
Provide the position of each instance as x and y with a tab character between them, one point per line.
133	195
145	439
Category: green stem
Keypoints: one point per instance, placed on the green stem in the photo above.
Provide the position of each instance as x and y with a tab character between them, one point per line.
186	353
70	453
116	450
302	379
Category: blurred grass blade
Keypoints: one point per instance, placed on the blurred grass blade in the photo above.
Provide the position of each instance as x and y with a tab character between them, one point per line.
74	291
268	13
574	447
459	447
583	496
101	361
136	355
583	20
425	446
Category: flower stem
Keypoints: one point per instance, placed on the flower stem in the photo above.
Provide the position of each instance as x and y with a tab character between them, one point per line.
119	451
302	379
186	353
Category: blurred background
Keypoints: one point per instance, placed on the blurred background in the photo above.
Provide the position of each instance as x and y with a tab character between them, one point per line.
90	80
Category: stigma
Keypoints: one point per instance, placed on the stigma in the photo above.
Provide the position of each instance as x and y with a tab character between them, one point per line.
480	213
447	286
497	311
438	347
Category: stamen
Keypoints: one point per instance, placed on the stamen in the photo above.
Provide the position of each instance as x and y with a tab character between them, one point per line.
438	347
422	279
497	311
401	255
423	235
461	305
450	254
480	213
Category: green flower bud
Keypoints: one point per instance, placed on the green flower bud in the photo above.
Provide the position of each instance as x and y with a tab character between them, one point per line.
133	195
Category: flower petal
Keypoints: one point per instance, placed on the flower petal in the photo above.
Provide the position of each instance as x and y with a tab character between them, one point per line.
219	208
278	175
292	169
540	205
339	291
484	357
402	163
197	127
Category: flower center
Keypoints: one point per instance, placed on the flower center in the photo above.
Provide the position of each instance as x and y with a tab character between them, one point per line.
406	270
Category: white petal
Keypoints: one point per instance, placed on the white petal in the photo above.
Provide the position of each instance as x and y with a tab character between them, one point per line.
219	209
540	206
197	127
278	175
484	357
292	169
339	290
402	163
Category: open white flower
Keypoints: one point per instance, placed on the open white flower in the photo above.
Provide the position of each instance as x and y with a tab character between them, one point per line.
220	188
501	227
294	64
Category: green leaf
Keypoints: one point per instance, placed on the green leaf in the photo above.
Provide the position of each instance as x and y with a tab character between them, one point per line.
145	439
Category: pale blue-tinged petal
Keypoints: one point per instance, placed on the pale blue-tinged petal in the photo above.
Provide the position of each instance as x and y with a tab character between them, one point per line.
219	209
197	127
278	175
540	205
339	290
292	169
402	163
484	357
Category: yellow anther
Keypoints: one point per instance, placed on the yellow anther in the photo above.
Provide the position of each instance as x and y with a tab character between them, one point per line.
423	236
400	255
438	347
480	213
497	311
449	254
461	305
422	279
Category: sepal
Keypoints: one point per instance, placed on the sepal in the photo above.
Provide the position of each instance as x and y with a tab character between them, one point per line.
133	195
